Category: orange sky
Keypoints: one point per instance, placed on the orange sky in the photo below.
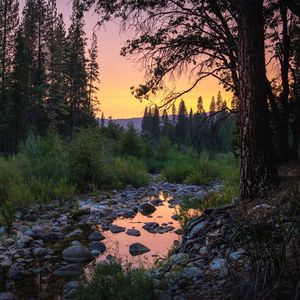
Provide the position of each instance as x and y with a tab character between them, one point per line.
118	74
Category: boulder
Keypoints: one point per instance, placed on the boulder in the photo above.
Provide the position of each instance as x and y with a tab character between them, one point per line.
138	249
97	246
7	296
77	254
147	208
150	226
68	271
96	236
117	229
133	232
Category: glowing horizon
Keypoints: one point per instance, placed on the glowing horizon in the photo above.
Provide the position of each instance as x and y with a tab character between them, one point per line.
118	74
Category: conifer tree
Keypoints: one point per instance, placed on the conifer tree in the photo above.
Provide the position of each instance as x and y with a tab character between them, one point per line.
155	122
93	75
182	124
212	107
200	108
76	70
219	102
9	19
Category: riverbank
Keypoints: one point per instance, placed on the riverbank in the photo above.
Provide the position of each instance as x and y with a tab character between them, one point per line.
50	245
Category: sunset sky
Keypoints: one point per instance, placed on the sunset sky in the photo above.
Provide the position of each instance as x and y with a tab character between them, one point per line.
118	74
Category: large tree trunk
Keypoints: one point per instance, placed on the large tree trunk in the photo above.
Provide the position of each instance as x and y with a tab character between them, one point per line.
258	173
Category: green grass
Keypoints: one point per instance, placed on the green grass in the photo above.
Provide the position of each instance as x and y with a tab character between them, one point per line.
112	282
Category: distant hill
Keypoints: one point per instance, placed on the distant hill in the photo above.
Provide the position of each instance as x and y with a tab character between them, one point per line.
137	123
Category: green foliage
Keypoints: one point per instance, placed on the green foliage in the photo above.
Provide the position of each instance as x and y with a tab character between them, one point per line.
129	171
112	282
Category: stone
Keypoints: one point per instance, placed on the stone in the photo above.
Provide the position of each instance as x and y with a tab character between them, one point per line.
71	270
77	254
40	252
5	262
24	241
150	226
70	288
192	272
96	236
133	232
196	229
127	213
236	255
16	273
97	246
117	229
138	249
105	211
8	296
164	229
95	252
147	208
156	202
77	233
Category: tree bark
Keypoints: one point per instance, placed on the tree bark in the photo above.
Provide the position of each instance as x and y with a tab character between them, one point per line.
258	174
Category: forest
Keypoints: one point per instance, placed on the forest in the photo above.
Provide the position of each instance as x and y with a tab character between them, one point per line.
198	204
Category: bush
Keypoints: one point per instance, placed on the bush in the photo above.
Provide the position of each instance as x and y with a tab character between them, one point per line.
112	282
129	171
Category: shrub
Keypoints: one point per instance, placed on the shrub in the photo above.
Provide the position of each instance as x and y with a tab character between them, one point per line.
112	282
129	171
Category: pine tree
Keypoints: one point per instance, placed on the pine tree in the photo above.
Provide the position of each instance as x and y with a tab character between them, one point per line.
200	108
155	122
212	107
20	105
93	75
182	124
165	124
219	102
76	70
102	121
34	26
174	115
9	19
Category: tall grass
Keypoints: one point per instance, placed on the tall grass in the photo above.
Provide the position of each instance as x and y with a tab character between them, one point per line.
112	282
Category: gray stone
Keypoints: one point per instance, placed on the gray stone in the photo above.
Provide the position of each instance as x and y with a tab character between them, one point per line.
192	272
68	271
150	226
97	246
95	252
237	254
40	252
8	296
77	254
70	288
133	232
117	229
16	273
96	236
138	249
147	208
75	234
105	211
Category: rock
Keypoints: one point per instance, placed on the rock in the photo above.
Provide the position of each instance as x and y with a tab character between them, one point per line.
192	272
219	264
40	252
96	236
196	229
117	229
133	232
237	254
156	202
77	233
24	241
75	243
105	211
138	249
5	262
72	270
164	229
8	296
150	226
2	230
16	273
95	252
175	217
147	208
77	254
70	288
127	213
97	246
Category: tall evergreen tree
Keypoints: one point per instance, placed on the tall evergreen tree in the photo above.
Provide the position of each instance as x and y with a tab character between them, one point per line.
93	75
155	122
182	131
219	102
212	107
9	19
76	70
200	107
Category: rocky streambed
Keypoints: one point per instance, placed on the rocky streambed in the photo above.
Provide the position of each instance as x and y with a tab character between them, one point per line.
51	246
